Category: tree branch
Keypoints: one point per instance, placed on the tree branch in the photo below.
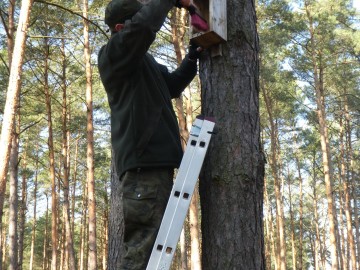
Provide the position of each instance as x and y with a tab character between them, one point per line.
72	12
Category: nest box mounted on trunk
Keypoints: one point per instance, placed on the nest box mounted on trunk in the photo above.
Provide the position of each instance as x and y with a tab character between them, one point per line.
214	12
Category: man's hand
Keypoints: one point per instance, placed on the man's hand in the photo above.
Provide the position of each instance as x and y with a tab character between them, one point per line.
194	51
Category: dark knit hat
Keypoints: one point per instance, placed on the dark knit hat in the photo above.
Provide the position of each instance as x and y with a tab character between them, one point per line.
118	11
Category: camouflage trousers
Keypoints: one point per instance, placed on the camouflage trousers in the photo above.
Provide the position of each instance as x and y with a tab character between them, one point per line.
145	196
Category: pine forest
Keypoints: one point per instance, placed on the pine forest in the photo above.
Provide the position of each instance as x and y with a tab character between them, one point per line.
56	157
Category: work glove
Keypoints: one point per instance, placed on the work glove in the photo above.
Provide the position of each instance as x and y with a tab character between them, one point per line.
194	51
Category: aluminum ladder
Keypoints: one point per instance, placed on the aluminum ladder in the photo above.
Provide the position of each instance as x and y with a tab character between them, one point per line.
181	194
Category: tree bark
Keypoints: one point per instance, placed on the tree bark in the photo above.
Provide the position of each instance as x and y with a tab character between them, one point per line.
116	221
231	184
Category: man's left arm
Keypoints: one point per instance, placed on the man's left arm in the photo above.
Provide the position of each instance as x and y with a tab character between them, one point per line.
184	74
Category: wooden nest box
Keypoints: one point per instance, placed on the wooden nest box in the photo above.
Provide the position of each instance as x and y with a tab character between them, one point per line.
214	12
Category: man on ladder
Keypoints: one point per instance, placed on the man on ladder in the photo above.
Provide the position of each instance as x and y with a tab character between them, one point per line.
144	131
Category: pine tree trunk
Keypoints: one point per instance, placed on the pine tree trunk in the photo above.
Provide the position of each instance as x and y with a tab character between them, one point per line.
22	211
33	234
105	233
324	139
92	260
351	179
183	254
13	200
73	193
83	242
347	196
301	210
116	221
292	224
318	249
179	18
45	261
66	168
275	169
12	97
54	214
269	250
231	184
13	203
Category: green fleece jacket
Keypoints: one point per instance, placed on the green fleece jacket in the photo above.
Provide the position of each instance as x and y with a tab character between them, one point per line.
144	128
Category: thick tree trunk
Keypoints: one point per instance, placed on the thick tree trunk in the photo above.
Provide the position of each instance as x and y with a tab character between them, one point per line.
231	185
116	222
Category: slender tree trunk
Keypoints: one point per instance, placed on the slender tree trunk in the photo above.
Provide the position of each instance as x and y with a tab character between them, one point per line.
92	264
179	18
33	235
347	197
83	246
233	172
4	253
301	208
275	169
318	250
269	242
73	200
54	215
22	211
12	96
292	224
45	260
66	168
13	204
350	179
183	253
324	139
105	233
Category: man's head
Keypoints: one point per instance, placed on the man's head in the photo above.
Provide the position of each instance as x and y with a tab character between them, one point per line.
118	11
